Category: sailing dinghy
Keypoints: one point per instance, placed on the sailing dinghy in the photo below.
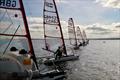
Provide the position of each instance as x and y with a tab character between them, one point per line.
86	41
80	36
14	31
73	35
53	35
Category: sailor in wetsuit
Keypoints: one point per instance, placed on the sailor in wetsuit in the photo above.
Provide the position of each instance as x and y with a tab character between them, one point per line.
80	44
58	53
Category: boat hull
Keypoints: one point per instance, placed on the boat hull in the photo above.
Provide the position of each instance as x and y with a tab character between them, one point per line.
63	59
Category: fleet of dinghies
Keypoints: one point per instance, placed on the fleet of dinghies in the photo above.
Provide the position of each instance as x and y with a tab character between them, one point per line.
80	36
51	22
20	63
76	37
72	34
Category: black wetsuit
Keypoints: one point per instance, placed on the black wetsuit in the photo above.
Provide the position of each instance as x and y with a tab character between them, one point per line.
58	54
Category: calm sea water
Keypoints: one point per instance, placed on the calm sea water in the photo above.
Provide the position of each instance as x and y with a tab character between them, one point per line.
99	60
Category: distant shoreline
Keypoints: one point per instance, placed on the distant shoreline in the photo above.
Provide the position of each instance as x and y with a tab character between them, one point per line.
88	38
68	39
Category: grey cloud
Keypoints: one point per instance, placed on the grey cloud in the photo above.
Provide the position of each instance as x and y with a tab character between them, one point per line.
109	3
97	28
101	33
118	26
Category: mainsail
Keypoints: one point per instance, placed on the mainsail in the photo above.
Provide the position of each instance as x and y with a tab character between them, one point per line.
71	32
14	30
53	35
84	36
79	35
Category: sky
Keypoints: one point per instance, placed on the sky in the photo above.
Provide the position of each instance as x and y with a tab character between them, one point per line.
99	18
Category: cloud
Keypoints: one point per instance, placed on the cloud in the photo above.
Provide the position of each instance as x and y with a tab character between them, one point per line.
100	29
35	20
61	1
117	26
96	28
35	23
109	3
36	27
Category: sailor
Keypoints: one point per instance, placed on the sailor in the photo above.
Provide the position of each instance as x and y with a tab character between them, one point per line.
23	52
13	49
58	53
14	52
84	43
22	56
80	44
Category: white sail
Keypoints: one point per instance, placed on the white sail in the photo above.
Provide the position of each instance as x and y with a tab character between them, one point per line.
14	30
10	19
71	32
52	28
79	35
84	36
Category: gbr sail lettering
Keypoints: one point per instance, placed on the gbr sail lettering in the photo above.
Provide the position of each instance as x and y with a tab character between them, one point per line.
8	3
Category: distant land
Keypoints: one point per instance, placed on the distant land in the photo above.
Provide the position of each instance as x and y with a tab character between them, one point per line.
104	38
88	38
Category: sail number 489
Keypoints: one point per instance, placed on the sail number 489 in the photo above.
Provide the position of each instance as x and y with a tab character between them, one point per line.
8	3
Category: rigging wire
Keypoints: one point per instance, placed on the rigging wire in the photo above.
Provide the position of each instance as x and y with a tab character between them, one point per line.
11	40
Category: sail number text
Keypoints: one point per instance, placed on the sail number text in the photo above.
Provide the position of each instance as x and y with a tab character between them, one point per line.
8	3
50	19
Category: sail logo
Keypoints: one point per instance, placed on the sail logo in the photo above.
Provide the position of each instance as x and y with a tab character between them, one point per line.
49	4
8	3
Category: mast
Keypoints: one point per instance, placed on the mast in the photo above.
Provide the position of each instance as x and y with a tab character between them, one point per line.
84	34
74	32
60	28
28	33
44	24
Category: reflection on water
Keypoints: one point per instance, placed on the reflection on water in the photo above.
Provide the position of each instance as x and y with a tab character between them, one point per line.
100	60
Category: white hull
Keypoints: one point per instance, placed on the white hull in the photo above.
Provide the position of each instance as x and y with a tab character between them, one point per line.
63	59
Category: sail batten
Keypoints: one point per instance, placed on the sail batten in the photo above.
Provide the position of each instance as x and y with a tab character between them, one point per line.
10	8
50	11
13	35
